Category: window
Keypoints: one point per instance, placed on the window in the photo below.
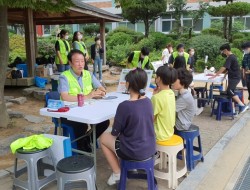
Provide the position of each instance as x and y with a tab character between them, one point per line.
46	29
122	24
140	27
108	25
198	25
130	26
166	26
247	25
187	23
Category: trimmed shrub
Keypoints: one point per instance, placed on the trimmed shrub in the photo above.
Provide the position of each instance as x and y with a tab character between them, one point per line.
161	40
137	36
238	36
119	38
238	53
92	29
16	47
207	45
119	54
238	42
212	31
46	46
146	42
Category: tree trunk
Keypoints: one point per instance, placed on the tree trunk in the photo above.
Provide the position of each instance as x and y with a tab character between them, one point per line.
225	28
230	25
147	25
4	56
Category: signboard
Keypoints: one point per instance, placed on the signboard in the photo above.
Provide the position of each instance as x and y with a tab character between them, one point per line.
122	82
156	64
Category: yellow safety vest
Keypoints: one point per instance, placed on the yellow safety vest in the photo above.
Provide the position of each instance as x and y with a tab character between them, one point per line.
135	60
186	56
82	48
63	52
74	87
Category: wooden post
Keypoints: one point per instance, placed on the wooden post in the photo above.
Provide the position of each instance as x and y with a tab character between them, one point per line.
29	41
35	40
102	35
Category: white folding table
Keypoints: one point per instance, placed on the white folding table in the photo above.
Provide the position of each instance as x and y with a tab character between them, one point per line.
206	78
93	112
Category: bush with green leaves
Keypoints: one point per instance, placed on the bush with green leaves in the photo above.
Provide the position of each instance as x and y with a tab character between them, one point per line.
238	53
212	31
238	36
200	65
137	36
16	47
119	38
161	40
207	45
119	54
93	29
146	42
237	43
46	46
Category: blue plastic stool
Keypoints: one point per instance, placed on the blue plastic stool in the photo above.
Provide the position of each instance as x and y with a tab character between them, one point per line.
68	131
188	138
212	87
200	92
147	165
224	107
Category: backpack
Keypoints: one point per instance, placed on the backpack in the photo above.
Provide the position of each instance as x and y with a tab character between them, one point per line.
15	74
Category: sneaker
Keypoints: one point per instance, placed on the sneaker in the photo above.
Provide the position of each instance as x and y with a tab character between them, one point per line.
113	179
243	109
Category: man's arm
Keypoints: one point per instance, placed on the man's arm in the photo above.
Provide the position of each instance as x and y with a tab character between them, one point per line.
222	69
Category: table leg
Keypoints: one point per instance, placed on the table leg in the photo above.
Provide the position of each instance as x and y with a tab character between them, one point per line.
59	132
94	145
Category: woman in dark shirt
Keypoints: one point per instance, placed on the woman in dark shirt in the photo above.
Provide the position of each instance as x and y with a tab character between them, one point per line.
132	136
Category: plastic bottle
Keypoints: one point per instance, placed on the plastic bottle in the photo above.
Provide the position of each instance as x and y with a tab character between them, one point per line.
205	70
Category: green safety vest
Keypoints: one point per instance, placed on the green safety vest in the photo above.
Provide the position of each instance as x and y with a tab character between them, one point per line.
63	52
74	87
135	60
186	56
82	48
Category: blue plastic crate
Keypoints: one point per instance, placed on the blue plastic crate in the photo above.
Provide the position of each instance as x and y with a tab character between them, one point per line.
24	68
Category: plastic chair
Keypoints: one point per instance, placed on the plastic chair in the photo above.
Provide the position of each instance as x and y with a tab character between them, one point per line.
146	165
224	107
201	93
68	131
168	155
188	137
35	168
70	171
214	86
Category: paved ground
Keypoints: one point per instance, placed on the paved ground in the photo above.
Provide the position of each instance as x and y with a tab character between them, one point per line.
211	132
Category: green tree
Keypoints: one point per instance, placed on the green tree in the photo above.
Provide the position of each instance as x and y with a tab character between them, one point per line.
142	10
43	5
179	7
228	11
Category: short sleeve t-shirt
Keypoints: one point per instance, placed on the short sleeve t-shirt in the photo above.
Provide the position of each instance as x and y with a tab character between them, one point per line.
164	113
185	110
232	67
165	55
133	124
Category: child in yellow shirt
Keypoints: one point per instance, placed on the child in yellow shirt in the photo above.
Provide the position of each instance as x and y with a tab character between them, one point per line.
163	101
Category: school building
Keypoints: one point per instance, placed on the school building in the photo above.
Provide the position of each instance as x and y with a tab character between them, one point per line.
163	24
